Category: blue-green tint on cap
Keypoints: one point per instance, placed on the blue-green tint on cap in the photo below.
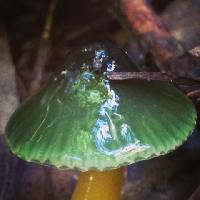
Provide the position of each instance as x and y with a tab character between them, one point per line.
82	120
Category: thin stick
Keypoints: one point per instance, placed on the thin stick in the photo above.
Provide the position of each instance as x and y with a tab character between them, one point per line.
149	26
49	20
156	76
44	49
194	93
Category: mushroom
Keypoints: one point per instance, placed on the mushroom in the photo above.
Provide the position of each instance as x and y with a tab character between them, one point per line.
81	120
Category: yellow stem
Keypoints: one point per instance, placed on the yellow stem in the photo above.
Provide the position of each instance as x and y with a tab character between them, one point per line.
95	185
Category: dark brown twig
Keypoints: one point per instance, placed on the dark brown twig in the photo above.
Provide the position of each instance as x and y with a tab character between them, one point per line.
190	87
43	50
146	24
194	93
149	76
164	50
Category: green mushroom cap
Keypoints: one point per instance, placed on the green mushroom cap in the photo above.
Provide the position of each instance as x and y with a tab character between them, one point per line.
80	119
